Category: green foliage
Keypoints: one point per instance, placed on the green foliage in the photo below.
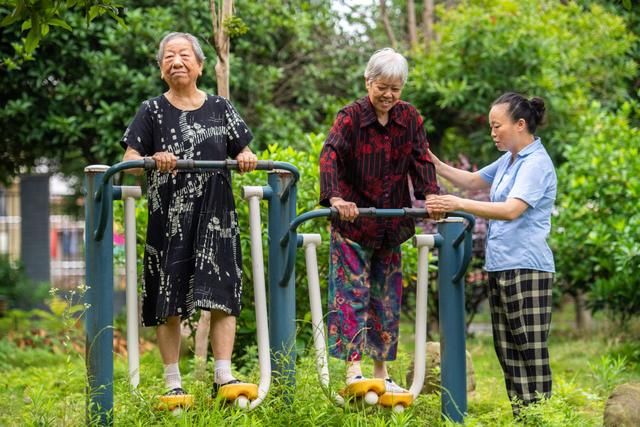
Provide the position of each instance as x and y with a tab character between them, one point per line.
40	388
307	199
17	288
70	106
557	50
608	372
235	27
38	17
596	228
293	69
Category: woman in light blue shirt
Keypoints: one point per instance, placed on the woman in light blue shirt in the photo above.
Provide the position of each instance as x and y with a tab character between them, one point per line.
522	185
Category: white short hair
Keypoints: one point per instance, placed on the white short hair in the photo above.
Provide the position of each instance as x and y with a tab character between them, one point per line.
387	63
195	44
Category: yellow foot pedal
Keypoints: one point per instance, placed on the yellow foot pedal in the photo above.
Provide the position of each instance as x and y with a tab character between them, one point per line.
173	401
397	401
238	392
369	389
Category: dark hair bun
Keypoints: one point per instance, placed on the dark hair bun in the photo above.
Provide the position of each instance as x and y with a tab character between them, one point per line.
538	107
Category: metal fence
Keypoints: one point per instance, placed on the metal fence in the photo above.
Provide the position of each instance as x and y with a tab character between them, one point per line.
66	238
10	222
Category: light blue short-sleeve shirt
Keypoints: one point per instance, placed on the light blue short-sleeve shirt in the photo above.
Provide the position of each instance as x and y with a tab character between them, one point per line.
522	242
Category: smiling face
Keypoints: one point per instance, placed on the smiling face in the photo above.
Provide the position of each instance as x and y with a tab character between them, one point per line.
179	65
504	131
384	93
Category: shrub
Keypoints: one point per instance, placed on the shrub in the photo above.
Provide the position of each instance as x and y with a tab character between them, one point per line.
20	291
595	237
566	53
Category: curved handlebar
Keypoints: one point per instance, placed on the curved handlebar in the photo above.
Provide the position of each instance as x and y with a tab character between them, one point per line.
467	237
181	165
291	240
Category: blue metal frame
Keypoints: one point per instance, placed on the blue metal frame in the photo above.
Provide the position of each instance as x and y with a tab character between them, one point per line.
282	293
281	194
454	259
99	296
99	193
452	235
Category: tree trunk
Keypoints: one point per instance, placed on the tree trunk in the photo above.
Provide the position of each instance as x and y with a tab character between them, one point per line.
221	10
583	315
427	23
411	24
220	39
387	25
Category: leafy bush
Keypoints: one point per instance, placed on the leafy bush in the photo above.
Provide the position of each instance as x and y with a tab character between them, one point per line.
561	51
20	291
595	237
288	71
307	199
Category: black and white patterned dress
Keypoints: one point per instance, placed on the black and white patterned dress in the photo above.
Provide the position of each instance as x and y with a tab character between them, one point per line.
192	255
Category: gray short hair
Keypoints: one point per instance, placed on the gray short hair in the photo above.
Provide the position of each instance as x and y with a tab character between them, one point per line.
387	63
195	44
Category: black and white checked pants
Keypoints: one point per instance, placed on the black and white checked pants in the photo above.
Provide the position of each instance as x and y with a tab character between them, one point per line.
520	303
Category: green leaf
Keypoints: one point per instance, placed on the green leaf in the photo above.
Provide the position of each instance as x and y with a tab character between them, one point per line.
32	40
118	19
26	25
10	19
60	23
93	12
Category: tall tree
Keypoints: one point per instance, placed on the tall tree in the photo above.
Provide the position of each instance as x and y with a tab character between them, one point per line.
221	14
69	106
427	23
384	15
411	24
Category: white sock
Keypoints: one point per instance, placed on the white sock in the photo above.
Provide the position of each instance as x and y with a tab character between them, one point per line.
223	373
172	377
353	370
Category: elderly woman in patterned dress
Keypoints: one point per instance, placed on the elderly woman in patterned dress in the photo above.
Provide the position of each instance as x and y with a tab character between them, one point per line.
192	255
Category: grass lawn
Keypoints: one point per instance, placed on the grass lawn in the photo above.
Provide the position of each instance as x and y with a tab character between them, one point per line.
41	387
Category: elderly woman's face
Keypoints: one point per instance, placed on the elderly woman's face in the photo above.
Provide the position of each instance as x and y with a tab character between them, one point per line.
179	65
384	93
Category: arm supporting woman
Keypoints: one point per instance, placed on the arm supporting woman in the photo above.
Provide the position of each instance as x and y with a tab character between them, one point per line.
509	210
462	179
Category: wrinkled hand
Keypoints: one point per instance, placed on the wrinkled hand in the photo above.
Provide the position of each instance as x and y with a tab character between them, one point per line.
431	213
348	210
247	161
165	161
443	204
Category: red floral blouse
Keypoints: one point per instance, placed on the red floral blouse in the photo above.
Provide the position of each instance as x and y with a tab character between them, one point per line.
371	165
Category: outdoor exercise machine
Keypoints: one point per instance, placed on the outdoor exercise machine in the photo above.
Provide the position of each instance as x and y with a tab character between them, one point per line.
371	391
100	193
280	193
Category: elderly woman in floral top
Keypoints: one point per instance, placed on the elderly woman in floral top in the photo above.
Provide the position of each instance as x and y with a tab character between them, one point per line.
376	145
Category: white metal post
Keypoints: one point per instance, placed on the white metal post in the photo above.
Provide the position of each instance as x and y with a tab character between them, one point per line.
254	195
129	196
423	242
